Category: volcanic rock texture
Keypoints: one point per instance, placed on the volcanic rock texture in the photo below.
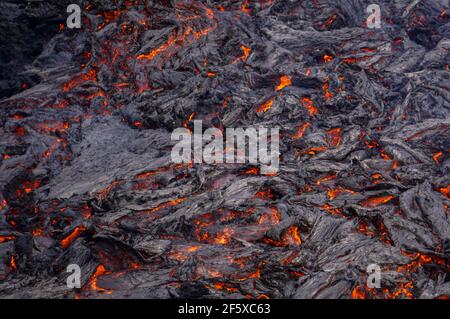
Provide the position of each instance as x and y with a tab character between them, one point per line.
86	175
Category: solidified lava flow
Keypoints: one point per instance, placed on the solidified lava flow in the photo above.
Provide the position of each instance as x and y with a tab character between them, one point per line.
87	179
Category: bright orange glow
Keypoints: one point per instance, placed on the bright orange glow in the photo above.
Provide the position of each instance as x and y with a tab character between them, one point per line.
27	187
223	238
376	201
12	264
289	237
301	130
404	290
265	106
332	210
334	136
327	58
308	104
265	194
437	156
152	54
224	286
385	155
38	232
252	171
72	236
104	192
192	249
244	8
326	178
90	75
165	205
292	236
371	144
364	229
418	260
313	150
394	164
376	177
93	285
445	191
134	265
329	21
358	293
6	238
254	275
146	174
284	81
189	119
273	216
327	94
53	127
174	40
177	255
246	51
333	193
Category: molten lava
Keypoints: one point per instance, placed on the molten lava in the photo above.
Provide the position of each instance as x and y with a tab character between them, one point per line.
284	81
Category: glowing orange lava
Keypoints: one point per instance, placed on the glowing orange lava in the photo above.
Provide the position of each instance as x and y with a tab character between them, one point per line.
334	136
72	236
376	201
308	104
265	106
165	205
301	130
358	293
12	264
6	238
284	81
246	51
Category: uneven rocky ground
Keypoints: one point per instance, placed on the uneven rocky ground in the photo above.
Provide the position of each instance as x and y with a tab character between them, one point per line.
86	175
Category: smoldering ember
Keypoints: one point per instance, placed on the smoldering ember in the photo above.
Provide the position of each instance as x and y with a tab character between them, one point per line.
87	181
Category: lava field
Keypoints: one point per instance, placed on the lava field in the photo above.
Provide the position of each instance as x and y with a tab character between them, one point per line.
86	175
